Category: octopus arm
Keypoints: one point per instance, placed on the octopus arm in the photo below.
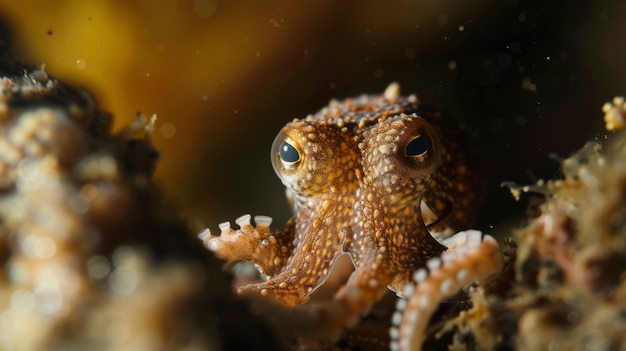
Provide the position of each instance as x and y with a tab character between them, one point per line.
305	271
470	257
367	284
269	250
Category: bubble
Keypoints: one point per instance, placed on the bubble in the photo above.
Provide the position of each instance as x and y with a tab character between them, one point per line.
81	64
98	267
48	298
573	317
168	130
527	84
205	8
89	192
122	282
61	274
38	247
522	17
123	257
452	64
107	165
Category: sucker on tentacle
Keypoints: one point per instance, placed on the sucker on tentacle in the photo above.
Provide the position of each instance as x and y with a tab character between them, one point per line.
470	257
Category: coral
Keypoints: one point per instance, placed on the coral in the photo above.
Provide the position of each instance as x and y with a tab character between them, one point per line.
572	257
614	113
93	258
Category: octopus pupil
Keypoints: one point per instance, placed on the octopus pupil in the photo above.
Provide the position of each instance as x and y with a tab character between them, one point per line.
288	153
416	146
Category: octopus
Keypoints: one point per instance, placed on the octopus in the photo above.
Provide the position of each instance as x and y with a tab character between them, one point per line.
386	181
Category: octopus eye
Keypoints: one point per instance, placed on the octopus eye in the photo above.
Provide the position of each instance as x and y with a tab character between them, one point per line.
288	153
416	147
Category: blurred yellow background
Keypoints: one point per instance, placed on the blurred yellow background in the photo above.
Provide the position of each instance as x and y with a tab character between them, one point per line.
224	76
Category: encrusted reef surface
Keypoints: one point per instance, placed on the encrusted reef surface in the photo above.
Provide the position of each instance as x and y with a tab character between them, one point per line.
563	285
569	289
92	257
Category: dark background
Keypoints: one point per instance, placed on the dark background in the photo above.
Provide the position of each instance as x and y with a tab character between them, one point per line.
526	80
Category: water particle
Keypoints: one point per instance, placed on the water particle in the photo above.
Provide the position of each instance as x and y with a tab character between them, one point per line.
107	166
409	53
48	298
89	192
81	64
443	19
522	17
205	8
122	282
98	267
527	84
123	257
38	247
573	317
168	130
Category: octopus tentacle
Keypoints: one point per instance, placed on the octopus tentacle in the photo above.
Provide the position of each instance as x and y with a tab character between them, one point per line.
268	249
470	257
364	287
298	280
308	267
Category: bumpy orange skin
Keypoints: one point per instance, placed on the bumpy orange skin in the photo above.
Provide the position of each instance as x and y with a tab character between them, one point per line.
359	174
